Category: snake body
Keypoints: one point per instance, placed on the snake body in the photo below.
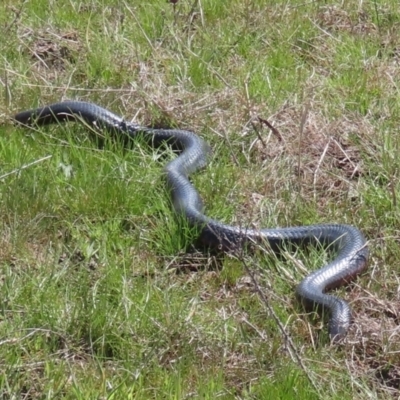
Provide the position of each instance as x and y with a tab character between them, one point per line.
347	241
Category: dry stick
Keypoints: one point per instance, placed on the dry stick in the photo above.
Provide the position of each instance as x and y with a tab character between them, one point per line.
288	340
273	129
25	166
256	130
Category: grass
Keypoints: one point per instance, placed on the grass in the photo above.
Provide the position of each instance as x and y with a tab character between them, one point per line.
104	294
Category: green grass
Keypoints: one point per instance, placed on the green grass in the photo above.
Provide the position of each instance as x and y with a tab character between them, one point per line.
104	294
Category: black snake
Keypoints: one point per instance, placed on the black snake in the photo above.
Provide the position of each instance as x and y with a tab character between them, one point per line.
347	241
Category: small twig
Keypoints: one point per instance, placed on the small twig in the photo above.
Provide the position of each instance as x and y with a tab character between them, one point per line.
15	171
273	129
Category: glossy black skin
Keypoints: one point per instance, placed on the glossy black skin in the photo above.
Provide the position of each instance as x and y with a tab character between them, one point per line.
347	241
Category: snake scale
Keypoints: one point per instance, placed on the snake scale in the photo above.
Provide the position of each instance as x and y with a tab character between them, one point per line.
346	241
